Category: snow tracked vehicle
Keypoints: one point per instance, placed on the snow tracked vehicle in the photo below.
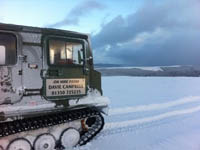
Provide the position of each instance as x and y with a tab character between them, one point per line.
50	94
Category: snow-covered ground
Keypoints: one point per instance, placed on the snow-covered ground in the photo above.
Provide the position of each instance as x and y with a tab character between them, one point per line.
150	113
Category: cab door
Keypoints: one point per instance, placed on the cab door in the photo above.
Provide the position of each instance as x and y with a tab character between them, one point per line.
65	77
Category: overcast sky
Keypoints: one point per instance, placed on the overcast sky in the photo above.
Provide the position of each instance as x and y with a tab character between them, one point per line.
135	32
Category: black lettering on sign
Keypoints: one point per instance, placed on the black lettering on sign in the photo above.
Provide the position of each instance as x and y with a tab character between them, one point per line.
58	93
64	81
54	86
64	87
68	92
73	81
56	81
72	86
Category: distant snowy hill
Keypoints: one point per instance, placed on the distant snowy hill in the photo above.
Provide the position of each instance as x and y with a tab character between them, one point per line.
150	71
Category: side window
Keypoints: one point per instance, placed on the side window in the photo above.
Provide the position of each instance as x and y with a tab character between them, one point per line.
8	49
62	52
2	55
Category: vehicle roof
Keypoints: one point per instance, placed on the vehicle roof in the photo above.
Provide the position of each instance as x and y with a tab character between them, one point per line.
21	28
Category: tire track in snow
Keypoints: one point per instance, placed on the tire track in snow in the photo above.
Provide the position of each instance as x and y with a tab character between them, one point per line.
124	124
151	107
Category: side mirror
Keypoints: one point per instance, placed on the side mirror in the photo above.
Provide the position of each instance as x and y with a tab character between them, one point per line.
2	55
90	60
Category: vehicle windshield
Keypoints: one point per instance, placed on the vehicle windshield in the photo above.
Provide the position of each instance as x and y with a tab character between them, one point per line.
64	52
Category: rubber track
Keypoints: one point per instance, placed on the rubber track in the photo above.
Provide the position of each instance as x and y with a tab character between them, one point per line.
10	128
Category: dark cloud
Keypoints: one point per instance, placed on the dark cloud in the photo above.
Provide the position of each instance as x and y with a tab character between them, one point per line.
77	12
179	48
160	33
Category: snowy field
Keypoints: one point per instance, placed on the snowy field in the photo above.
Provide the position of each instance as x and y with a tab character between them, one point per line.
150	113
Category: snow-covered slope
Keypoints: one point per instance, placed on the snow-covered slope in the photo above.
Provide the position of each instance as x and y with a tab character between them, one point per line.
151	71
150	113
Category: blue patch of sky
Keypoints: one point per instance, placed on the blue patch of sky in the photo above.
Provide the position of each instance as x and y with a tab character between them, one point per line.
35	13
41	13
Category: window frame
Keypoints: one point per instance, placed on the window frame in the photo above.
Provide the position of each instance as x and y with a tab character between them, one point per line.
16	48
64	39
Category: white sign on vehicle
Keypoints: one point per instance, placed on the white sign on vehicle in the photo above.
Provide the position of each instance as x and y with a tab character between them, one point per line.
65	87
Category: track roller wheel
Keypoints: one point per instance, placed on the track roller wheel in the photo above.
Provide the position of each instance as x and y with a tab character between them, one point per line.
19	144
45	142
70	138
